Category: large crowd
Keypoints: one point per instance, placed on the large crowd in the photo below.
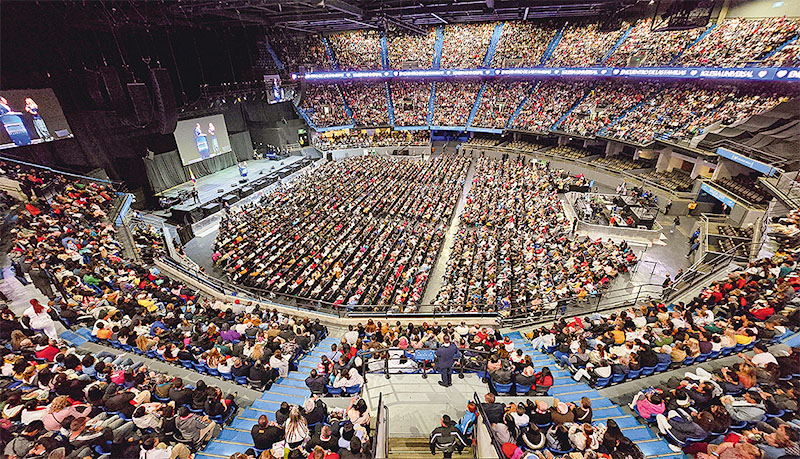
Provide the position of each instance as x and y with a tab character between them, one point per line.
454	102
297	50
647	48
514	246
734	42
409	50
682	111
364	230
367	102
738	42
410	102
370	138
548	102
638	111
465	45
357	49
522	44
584	45
324	106
604	104
498	102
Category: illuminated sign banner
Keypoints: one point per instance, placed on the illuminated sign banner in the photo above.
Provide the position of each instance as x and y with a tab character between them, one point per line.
745	161
718	195
702	73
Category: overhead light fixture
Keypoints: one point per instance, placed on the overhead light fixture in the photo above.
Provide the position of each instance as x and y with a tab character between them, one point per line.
439	18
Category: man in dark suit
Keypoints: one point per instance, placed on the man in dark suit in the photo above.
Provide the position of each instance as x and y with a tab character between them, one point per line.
446	356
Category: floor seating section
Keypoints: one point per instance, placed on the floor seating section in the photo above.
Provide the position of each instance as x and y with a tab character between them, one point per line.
292	389
565	389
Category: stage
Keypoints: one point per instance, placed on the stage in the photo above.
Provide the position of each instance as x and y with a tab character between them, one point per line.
223	186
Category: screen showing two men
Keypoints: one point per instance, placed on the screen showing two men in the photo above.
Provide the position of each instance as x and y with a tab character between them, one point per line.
31	116
202	138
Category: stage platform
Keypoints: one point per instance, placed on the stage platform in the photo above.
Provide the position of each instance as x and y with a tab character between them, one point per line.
224	186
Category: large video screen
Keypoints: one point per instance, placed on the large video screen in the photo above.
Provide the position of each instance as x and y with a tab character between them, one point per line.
202	138
31	116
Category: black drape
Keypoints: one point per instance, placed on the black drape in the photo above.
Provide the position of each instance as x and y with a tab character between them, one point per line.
166	170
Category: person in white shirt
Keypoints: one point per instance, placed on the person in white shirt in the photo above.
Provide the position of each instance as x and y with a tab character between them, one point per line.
351	336
280	363
762	356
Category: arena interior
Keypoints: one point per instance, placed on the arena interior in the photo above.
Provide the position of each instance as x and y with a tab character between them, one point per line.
352	229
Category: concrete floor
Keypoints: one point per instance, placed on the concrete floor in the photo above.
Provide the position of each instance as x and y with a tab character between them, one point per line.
415	405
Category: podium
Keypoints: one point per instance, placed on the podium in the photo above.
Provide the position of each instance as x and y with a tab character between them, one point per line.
15	128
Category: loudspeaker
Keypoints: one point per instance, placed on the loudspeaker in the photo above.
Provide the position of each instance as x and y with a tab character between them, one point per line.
92	80
119	100
166	108
142	106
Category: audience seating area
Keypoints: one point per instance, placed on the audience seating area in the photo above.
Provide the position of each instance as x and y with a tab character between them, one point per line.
745	187
618	164
675	180
568	152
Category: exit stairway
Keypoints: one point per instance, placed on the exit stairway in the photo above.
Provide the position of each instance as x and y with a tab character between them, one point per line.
417	448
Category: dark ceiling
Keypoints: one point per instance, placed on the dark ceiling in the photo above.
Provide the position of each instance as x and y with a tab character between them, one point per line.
335	15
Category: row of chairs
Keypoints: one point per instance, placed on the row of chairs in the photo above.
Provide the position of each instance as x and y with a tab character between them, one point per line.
662	367
519	389
198	367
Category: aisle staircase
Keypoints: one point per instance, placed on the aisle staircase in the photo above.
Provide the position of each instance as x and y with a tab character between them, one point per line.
417	448
517	111
291	389
565	389
329	52
389	104
274	55
616	45
551	47
476	105
487	60
384	50
431	103
702	36
437	48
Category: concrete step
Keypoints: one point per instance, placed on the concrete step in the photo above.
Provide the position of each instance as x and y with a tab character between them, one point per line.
417	448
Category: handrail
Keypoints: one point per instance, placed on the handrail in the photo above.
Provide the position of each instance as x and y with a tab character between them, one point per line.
60	172
378	426
383	354
482	415
692	275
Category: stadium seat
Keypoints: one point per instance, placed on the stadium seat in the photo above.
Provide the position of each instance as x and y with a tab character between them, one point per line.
502	389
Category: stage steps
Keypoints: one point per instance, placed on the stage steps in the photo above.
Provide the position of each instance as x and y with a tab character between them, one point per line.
236	438
418	448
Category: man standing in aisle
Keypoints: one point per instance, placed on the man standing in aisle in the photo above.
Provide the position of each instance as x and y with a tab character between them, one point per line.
446	356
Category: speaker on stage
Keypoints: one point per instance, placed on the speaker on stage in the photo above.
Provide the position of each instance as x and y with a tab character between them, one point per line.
142	106
119	100
166	113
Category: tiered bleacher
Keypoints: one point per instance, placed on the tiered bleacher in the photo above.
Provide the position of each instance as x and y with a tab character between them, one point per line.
675	180
619	164
745	187
568	152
